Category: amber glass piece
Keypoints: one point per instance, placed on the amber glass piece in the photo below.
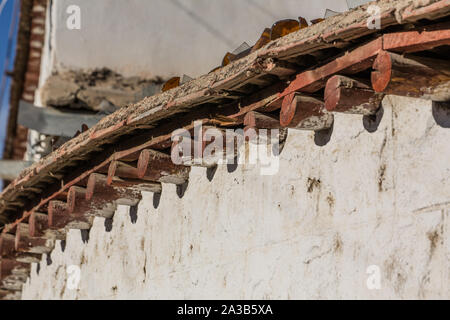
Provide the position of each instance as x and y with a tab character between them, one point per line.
215	69
171	83
284	27
263	40
229	57
315	21
303	22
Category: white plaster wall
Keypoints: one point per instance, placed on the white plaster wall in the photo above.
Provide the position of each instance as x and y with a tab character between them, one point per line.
383	199
167	37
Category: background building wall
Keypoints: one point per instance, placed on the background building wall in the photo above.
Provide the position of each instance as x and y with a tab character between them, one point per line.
311	231
167	37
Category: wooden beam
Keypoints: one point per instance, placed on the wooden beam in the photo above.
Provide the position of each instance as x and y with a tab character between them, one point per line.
122	170
257	120
159	167
207	150
39	227
411	76
7	266
343	94
7	242
59	216
8	250
24	242
353	62
305	113
123	191
420	40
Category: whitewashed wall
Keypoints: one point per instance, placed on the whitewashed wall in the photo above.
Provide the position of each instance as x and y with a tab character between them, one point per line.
167	37
383	199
